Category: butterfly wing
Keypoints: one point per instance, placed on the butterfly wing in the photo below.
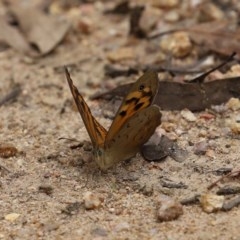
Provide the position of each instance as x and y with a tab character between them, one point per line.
140	96
134	133
95	130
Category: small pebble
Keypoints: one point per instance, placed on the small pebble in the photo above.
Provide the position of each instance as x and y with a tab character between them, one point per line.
233	125
51	225
2	236
99	231
211	12
213	133
168	127
122	226
211	202
165	3
172	136
210	153
200	148
233	104
121	54
178	44
149	18
207	116
188	115
169	209
172	16
11	217
234	71
91	201
7	150
219	108
202	133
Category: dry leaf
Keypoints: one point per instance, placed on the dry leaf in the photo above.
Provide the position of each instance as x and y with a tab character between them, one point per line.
11	36
44	31
217	36
193	96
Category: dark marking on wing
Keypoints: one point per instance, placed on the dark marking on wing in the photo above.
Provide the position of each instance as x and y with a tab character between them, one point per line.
138	106
123	113
133	99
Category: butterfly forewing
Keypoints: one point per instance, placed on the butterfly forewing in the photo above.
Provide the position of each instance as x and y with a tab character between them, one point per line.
95	130
140	96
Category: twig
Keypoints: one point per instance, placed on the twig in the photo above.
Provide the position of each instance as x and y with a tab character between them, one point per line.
168	184
221	171
12	95
221	178
204	75
228	190
160	34
6	169
191	200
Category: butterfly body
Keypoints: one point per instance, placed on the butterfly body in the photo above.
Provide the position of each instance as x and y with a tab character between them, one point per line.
133	125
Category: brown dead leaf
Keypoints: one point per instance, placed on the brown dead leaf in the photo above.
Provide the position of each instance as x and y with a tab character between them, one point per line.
11	36
44	31
219	36
195	96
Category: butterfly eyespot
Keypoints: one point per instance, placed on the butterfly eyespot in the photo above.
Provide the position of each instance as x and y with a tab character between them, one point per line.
141	87
123	113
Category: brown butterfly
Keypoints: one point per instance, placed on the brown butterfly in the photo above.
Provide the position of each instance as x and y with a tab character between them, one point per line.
133	125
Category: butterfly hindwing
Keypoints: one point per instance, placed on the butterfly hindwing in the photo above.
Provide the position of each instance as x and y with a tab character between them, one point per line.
135	132
96	131
140	96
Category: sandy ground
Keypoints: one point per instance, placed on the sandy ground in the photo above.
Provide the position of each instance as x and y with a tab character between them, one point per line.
47	180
